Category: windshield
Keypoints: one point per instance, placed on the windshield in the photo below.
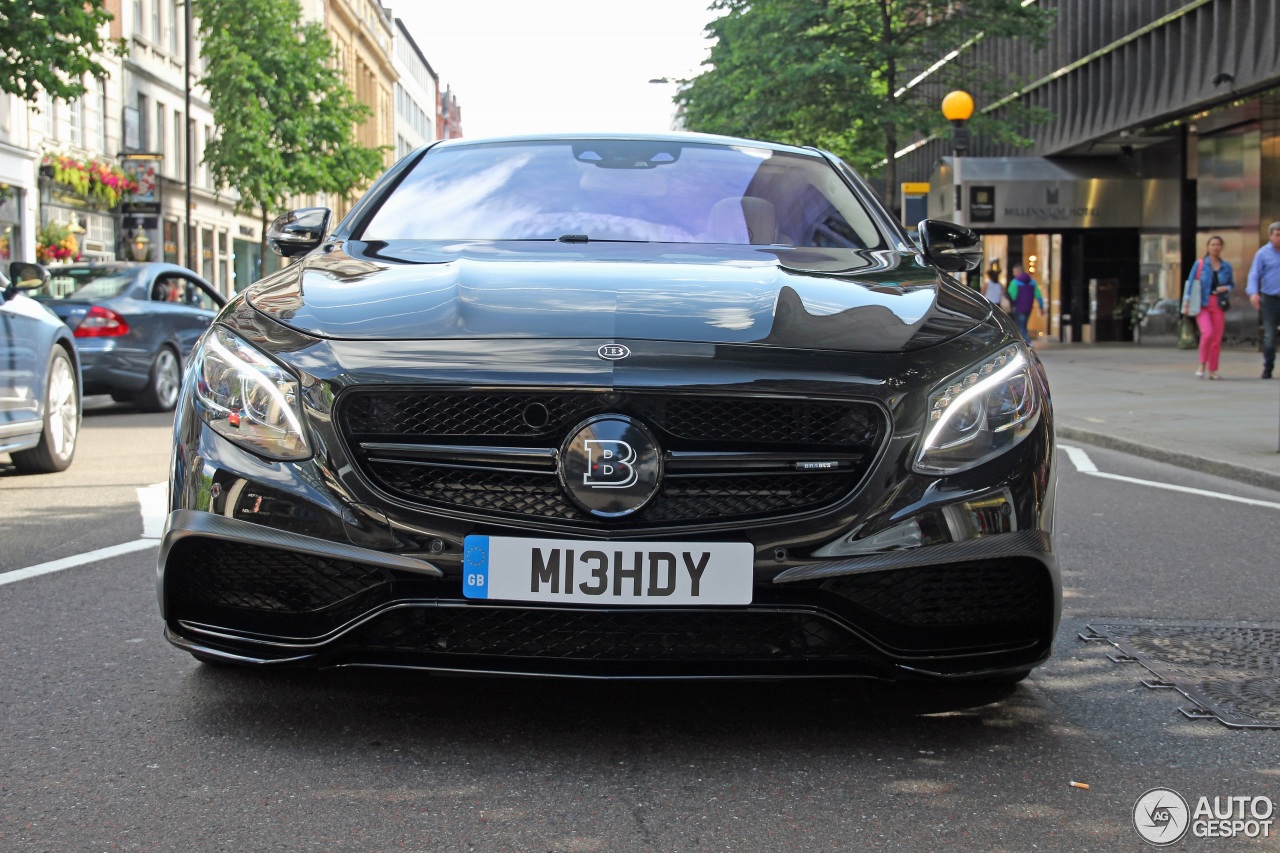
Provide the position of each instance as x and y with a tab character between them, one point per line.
649	191
87	283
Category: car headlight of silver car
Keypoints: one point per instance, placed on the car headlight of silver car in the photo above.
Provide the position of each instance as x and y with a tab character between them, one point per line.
979	413
247	398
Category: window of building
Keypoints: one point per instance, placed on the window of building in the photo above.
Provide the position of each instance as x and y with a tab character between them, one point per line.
170	241
208	173
157	31
179	146
75	121
173	26
206	254
137	16
220	269
160	137
95	136
144	131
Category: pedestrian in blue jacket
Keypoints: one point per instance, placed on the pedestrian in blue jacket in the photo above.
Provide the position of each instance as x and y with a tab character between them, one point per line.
1023	293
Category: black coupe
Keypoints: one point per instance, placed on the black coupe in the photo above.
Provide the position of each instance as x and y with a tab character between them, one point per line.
657	406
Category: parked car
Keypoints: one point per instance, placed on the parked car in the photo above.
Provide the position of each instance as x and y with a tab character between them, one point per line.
655	406
39	377
134	325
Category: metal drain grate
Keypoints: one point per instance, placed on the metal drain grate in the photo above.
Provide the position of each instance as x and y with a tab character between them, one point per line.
1230	672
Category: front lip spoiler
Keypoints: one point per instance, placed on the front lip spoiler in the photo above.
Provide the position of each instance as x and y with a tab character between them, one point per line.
187	523
1037	544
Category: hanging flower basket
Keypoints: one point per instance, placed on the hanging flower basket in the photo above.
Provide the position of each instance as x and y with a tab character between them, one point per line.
56	244
100	183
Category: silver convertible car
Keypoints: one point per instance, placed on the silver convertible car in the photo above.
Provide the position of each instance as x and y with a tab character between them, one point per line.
39	377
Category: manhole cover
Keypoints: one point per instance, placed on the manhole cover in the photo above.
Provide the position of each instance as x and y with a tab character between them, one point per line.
1230	672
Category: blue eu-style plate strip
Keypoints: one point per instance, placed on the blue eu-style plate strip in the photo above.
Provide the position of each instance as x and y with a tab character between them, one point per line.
475	567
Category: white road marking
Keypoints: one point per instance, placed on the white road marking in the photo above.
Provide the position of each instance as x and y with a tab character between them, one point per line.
153	503
1079	458
77	560
1085	465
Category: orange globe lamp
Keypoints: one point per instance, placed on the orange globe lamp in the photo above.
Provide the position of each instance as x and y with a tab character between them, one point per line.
958	106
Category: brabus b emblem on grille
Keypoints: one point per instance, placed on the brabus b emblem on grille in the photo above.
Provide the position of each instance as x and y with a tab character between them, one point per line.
613	352
610	466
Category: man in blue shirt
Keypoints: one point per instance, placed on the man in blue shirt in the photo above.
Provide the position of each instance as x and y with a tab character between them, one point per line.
1264	294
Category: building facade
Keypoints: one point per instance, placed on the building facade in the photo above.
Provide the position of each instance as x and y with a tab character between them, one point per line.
449	116
32	137
1166	130
416	94
222	245
363	37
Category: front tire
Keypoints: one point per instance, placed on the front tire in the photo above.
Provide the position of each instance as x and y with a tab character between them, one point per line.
57	445
161	393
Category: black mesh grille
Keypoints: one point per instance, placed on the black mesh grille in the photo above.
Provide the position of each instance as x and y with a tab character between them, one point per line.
213	573
475	415
959	595
610	635
768	421
680	498
763	421
852	429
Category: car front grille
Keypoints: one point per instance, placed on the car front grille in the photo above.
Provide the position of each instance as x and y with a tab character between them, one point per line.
609	634
379	424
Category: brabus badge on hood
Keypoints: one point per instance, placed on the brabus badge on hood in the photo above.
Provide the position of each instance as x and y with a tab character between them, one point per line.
613	352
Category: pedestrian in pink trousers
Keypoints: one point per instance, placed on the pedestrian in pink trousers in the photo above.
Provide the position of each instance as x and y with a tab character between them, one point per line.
1209	281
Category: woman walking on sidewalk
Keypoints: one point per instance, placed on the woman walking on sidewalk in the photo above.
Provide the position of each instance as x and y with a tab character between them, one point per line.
1205	297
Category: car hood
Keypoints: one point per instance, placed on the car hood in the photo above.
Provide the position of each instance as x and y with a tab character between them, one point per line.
864	301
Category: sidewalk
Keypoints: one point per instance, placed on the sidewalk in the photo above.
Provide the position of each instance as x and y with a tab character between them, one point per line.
1146	401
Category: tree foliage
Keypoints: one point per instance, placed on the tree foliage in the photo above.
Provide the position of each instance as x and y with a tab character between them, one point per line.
285	120
837	73
51	45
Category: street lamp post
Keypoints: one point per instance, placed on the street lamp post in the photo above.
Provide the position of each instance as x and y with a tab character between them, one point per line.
957	106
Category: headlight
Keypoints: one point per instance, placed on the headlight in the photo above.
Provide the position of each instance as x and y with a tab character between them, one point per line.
979	413
247	398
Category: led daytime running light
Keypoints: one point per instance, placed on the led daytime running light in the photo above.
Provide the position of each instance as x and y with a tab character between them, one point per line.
972	392
272	390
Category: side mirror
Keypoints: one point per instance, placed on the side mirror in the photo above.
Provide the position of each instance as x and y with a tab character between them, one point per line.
949	247
25	276
298	231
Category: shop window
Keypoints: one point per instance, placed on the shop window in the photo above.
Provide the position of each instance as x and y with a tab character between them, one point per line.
170	241
206	254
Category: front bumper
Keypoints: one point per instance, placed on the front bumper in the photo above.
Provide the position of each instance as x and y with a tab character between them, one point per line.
240	592
312	563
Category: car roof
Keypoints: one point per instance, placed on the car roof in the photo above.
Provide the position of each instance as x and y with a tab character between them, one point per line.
671	136
149	267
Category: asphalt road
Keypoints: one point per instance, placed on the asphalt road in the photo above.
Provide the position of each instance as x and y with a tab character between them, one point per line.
113	740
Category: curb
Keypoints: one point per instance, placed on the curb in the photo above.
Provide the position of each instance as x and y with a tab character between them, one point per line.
1227	470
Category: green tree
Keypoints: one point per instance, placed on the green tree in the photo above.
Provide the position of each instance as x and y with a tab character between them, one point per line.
840	74
284	120
51	45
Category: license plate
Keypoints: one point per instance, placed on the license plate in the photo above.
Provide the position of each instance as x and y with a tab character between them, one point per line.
587	572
